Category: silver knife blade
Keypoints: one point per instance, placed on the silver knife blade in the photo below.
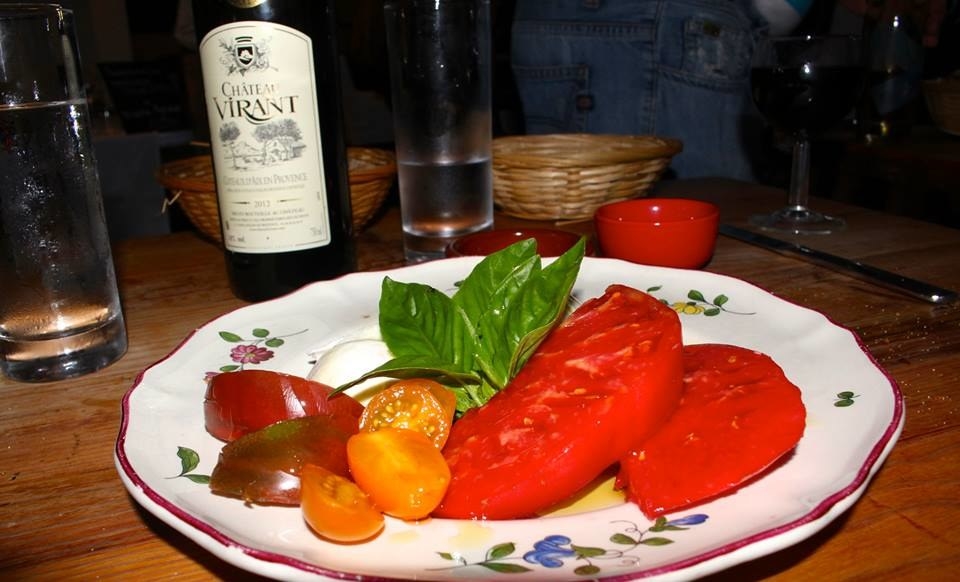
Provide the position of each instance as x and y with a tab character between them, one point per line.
887	279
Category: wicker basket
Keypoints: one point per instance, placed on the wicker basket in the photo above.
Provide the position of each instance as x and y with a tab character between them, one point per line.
568	176
190	182
943	102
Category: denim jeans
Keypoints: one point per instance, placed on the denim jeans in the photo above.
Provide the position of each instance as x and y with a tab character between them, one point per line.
675	68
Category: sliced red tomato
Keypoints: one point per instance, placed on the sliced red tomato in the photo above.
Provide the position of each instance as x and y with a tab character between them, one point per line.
418	404
737	416
336	508
400	469
600	383
264	466
237	403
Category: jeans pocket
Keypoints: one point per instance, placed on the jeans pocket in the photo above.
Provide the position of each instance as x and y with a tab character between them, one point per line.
716	54
556	99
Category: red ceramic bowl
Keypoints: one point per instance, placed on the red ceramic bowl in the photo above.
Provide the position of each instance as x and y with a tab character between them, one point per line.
550	242
668	232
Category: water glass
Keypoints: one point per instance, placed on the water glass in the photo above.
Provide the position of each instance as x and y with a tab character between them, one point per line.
439	53
60	312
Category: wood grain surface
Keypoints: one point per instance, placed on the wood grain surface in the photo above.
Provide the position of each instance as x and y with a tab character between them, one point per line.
64	514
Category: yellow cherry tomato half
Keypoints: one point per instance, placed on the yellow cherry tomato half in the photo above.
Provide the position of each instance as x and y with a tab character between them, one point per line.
336	508
401	470
416	404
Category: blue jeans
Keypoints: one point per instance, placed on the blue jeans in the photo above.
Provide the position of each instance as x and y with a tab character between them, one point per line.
676	68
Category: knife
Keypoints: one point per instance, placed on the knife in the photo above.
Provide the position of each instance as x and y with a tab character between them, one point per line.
912	287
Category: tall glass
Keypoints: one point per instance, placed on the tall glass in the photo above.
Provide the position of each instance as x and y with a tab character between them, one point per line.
439	52
60	310
803	85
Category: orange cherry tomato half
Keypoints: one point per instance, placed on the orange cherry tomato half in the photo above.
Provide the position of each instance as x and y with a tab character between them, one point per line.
416	404
336	508
401	470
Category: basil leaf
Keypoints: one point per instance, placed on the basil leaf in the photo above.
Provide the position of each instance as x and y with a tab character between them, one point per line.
472	395
418	320
553	286
490	308
471	391
507	268
510	334
417	366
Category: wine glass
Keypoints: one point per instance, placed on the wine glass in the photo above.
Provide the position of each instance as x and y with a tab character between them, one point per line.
803	85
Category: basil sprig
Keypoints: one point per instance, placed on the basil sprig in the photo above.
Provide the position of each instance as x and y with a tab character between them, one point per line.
476	340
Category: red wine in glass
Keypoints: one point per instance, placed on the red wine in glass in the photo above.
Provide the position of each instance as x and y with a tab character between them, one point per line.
804	85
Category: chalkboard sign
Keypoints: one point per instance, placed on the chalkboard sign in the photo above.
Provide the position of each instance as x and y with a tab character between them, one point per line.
148	96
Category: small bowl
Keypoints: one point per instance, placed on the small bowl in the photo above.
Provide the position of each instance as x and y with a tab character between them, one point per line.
550	242
667	232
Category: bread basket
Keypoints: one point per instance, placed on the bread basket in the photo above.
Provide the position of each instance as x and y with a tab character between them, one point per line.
943	102
568	176
191	185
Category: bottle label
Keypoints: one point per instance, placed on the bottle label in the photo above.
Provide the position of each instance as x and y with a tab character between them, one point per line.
265	137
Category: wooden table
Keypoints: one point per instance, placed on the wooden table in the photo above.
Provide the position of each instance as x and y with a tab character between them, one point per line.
64	514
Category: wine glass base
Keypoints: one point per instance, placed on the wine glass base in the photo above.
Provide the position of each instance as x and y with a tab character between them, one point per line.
798	222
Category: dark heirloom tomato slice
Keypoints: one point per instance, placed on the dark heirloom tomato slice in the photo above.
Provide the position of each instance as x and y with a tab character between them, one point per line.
737	416
237	403
600	383
264	466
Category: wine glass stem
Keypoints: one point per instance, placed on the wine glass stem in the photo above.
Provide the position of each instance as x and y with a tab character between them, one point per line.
799	194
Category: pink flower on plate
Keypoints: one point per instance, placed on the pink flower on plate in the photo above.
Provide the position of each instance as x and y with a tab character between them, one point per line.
250	354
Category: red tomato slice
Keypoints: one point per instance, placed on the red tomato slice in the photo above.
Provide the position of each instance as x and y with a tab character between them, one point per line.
237	403
336	508
737	416
264	466
600	383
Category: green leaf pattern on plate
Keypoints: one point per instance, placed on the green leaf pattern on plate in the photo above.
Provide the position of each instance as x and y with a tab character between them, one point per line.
696	303
189	460
845	399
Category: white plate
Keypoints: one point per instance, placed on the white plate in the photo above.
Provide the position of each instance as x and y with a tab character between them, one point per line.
854	416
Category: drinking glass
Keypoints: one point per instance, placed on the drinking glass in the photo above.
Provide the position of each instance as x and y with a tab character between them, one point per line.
440	71
803	85
60	312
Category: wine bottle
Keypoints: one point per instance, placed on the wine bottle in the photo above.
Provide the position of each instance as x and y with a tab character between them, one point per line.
894	65
271	87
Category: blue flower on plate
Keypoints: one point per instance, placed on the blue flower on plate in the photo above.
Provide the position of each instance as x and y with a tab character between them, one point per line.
548	551
694	519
